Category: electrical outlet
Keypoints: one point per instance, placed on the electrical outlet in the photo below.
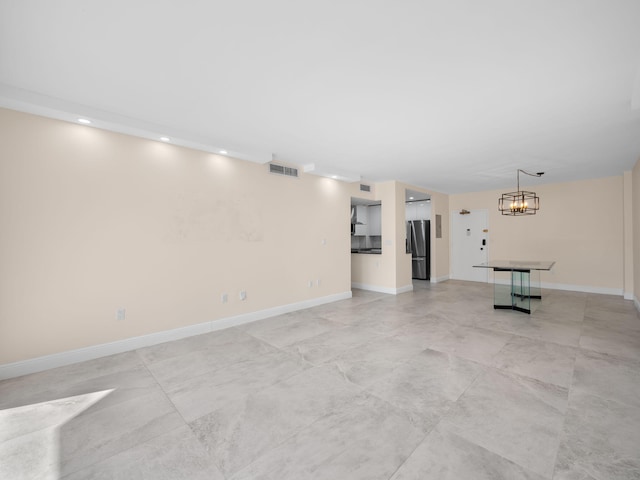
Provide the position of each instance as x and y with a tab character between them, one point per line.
318	282
310	283
121	313
224	298
243	295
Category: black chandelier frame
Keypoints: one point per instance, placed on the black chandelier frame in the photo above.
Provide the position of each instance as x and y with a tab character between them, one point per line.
521	202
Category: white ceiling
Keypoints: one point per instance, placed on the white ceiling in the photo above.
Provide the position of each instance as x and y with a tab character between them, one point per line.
450	95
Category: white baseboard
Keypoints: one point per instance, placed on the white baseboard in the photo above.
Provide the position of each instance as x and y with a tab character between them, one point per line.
405	289
451	277
636	302
628	296
377	288
33	365
582	288
572	288
440	279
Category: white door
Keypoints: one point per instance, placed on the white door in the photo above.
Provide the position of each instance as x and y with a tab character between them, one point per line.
469	242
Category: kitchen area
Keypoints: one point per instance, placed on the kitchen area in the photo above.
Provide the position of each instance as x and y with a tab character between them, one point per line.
366	226
366	230
395	231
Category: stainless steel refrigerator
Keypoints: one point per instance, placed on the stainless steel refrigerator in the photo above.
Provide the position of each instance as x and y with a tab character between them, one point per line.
418	243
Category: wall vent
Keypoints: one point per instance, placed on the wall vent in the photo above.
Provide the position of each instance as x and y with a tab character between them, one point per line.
365	188
282	170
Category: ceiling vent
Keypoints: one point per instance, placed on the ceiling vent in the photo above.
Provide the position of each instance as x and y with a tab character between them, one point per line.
365	188
282	170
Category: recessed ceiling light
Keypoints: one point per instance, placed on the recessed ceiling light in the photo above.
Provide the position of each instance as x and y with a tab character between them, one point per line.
84	120
223	152
334	176
165	139
410	198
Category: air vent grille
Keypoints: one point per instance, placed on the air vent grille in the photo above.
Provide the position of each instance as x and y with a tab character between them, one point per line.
365	188
282	170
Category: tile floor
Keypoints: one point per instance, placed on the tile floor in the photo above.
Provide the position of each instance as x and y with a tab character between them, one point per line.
431	384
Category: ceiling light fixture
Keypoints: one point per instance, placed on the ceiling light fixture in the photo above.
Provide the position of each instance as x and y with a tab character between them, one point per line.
520	202
84	121
165	139
223	152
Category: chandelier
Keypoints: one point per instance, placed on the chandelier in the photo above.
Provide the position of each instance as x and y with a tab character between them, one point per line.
520	202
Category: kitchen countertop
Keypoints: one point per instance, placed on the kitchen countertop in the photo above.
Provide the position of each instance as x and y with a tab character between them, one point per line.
370	251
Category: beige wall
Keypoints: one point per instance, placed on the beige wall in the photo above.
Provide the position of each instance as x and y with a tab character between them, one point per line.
443	244
628	263
403	259
635	213
580	225
93	221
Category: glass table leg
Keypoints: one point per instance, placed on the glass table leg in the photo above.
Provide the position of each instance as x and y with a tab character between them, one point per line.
521	291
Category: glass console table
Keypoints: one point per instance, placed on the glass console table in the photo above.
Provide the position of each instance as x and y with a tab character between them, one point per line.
516	282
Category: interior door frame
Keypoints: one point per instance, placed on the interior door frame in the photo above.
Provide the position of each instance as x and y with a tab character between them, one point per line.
451	240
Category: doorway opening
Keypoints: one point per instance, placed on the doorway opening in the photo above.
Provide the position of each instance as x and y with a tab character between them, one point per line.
418	225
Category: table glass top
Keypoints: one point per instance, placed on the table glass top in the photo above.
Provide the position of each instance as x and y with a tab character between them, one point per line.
518	264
